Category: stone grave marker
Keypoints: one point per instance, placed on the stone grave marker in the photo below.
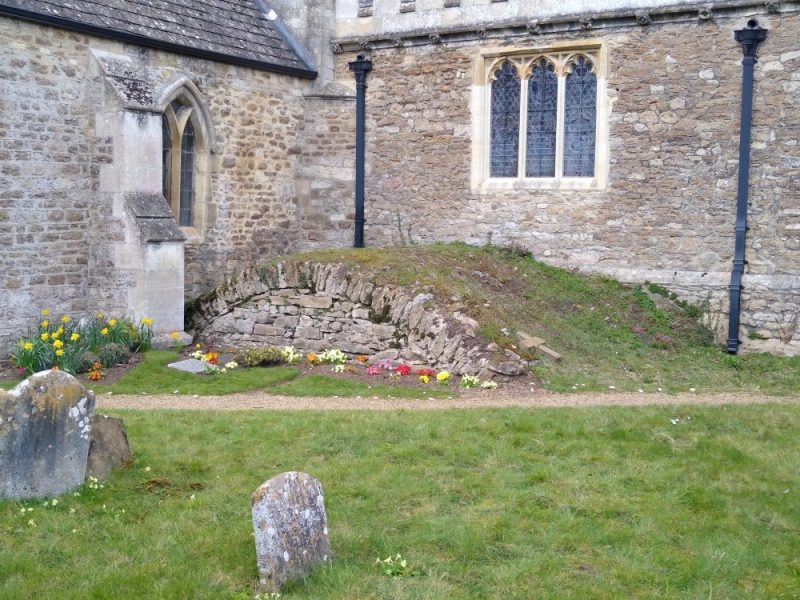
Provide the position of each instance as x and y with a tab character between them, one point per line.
189	365
290	528
45	425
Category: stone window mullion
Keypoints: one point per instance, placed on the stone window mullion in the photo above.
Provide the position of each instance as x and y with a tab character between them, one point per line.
523	119
560	127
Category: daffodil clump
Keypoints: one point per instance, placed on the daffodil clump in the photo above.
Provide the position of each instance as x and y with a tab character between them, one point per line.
76	345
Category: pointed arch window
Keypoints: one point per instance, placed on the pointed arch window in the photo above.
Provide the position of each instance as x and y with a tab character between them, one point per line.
179	156
543	116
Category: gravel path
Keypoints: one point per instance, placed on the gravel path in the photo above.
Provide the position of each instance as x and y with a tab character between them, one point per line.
467	400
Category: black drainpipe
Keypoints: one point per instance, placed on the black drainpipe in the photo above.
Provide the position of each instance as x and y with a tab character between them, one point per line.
749	38
360	67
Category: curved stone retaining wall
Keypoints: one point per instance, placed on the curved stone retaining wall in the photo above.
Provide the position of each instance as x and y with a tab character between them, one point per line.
315	306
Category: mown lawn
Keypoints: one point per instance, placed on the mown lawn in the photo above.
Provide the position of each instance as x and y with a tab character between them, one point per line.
556	503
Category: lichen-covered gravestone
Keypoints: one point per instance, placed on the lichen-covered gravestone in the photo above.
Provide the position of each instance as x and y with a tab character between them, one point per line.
44	436
290	528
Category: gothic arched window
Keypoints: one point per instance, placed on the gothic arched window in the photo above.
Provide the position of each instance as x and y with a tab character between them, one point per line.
554	96
580	115
178	159
505	122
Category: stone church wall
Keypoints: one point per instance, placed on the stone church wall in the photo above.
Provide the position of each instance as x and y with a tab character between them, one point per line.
667	213
60	240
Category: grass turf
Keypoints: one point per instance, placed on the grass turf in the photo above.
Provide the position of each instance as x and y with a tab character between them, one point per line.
558	503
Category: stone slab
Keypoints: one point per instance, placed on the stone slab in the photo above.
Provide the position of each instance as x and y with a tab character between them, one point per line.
528	342
290	528
45	426
189	365
109	448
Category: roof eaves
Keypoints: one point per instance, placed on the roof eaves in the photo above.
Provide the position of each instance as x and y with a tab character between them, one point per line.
141	40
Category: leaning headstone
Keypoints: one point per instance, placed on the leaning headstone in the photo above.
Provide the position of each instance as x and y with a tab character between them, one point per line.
44	436
109	448
290	528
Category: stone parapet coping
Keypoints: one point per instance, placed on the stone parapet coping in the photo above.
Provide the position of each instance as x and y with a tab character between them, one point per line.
520	27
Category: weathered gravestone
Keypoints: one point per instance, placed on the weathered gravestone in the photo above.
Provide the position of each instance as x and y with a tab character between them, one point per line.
109	448
290	528
44	436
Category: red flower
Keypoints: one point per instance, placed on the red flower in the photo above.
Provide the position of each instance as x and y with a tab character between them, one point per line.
426	371
403	370
374	370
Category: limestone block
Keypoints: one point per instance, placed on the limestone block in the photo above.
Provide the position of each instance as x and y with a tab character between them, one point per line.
290	528
109	448
320	302
45	425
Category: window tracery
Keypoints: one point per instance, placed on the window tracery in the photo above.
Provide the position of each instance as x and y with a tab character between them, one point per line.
543	124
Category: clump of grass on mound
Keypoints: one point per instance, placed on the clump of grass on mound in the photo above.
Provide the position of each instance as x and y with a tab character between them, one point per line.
609	334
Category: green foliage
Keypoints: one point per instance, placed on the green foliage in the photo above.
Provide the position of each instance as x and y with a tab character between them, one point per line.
66	342
600	503
112	354
259	357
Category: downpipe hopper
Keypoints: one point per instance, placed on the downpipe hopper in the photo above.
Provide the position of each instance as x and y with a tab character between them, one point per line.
749	38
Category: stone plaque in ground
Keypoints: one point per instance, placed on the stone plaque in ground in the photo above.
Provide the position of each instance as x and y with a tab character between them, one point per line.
44	436
290	528
190	365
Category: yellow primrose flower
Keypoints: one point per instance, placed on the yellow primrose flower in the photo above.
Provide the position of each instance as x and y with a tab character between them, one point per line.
424	378
75	337
27	346
59	352
58	344
45	312
442	377
112	322
44	324
175	335
45	336
104	331
64	319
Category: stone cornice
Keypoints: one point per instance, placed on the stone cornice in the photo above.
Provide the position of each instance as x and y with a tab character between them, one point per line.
518	27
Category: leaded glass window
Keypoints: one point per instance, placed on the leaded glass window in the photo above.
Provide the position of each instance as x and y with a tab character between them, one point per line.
580	115
166	160
504	141
187	175
540	151
553	96
179	153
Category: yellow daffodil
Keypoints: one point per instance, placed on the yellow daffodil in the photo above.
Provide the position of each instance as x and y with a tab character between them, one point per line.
58	344
104	331
147	322
64	319
59	352
45	336
112	322
75	337
45	312
44	324
27	346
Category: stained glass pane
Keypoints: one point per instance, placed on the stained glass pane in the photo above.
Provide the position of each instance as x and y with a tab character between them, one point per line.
580	112
540	154
187	175
166	151
504	137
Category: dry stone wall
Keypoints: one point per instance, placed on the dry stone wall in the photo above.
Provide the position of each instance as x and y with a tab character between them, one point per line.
315	306
667	214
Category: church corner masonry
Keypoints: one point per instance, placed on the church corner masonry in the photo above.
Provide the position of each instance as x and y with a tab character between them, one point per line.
139	167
